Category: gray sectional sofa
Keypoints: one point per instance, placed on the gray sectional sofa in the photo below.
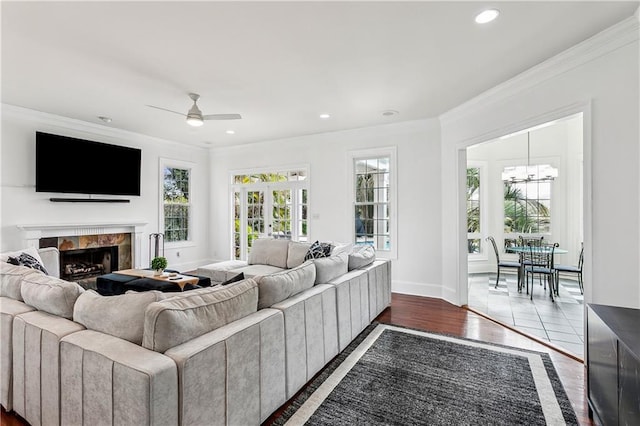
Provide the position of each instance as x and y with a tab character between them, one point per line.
229	354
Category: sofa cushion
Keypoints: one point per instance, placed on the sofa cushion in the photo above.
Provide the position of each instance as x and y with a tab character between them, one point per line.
361	256
328	268
258	270
269	251
50	294
220	271
11	279
318	250
180	318
120	316
277	287
25	259
296	254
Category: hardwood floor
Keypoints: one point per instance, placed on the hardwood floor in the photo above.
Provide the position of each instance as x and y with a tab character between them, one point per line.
439	316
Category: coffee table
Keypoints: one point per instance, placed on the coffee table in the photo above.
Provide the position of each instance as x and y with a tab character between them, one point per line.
173	277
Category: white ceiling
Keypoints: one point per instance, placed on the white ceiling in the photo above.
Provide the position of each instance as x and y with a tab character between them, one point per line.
279	64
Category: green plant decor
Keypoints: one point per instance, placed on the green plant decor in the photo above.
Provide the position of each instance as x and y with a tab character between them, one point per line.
159	263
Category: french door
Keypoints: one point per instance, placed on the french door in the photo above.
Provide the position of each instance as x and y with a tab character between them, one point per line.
276	210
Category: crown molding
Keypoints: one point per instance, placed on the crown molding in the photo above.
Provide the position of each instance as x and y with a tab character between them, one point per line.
66	123
603	43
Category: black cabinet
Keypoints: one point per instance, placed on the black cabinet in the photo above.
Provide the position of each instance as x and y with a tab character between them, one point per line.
613	364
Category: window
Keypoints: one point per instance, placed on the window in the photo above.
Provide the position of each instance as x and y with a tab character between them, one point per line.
527	208
474	214
176	201
272	204
373	179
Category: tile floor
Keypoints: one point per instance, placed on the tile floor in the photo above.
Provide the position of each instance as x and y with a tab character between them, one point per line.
560	322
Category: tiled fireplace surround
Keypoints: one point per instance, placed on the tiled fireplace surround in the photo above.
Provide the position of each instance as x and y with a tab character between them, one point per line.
126	237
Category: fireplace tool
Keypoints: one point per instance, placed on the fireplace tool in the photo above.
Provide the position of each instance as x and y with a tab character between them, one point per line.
156	243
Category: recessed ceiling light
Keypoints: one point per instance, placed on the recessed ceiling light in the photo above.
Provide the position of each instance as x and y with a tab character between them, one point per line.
231	132
105	119
325	116
389	112
487	16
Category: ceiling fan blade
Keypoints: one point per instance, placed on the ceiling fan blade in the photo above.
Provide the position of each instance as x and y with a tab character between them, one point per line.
168	110
222	117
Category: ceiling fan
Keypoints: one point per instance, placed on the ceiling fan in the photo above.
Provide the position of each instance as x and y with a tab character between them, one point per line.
195	117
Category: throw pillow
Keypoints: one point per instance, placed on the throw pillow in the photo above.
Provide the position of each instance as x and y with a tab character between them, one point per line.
318	250
235	278
25	259
361	256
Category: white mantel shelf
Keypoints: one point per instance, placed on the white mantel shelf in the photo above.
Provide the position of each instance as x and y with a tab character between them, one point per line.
33	232
82	228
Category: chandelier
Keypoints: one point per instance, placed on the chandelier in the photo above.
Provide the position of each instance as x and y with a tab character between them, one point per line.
529	173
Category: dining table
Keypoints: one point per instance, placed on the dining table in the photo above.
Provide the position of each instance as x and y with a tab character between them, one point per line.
523	249
535	249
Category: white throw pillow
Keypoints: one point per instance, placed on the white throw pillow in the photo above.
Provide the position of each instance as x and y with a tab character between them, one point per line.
32	251
361	256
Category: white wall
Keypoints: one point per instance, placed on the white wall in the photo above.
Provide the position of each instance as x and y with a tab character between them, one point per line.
417	267
21	205
600	77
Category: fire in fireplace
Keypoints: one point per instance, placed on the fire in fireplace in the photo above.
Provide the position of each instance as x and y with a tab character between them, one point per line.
86	263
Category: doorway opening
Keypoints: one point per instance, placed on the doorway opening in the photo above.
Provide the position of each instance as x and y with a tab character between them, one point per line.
545	207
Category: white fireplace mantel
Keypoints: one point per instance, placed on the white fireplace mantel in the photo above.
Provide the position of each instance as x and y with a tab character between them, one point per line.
33	232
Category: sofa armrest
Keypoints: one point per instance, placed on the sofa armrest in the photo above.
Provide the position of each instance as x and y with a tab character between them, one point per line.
379	282
107	380
352	303
234	374
36	373
51	258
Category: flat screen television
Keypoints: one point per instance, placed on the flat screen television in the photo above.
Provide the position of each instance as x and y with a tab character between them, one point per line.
79	166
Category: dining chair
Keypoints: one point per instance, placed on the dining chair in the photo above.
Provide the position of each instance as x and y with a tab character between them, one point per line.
524	242
539	260
572	269
504	264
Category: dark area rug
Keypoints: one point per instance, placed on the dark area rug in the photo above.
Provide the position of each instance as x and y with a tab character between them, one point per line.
409	377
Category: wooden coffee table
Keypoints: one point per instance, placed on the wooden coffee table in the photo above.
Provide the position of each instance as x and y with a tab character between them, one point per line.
174	278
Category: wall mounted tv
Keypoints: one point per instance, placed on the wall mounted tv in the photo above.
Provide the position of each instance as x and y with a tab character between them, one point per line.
80	166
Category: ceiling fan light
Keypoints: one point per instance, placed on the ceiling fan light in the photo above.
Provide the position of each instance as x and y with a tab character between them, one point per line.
194	120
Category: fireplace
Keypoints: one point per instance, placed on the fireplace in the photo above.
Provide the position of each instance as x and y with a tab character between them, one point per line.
126	236
87	263
85	257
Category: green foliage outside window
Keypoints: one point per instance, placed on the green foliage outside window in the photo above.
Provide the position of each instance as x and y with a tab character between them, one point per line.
473	208
176	204
523	213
